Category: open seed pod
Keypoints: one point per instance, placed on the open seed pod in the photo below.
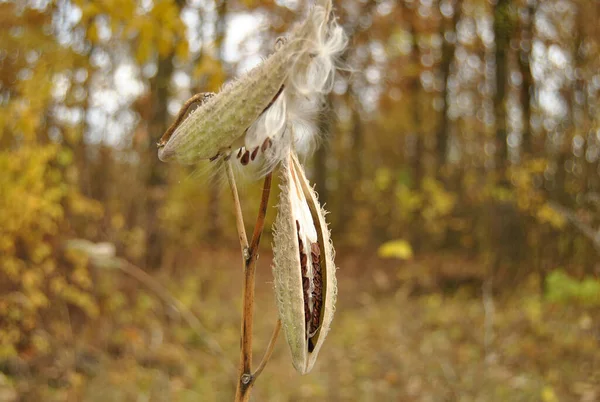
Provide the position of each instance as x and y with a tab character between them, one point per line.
303	267
219	124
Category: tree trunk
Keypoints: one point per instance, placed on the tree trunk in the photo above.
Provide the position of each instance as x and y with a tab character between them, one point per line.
527	88
415	91
320	158
448	49
417	157
156	172
350	173
215	227
502	34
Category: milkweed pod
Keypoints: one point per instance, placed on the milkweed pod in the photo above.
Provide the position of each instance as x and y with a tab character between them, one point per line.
221	121
303	267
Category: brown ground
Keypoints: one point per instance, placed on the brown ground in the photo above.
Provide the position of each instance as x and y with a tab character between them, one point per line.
396	336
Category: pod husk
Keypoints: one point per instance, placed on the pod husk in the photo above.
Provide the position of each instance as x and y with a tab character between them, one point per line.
287	269
221	121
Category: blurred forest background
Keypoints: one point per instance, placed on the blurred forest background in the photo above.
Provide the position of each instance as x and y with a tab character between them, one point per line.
462	172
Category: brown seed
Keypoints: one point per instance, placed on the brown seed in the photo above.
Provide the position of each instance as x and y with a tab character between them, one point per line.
315	253
245	158
303	266
239	153
315	258
254	153
315	317
308	316
266	144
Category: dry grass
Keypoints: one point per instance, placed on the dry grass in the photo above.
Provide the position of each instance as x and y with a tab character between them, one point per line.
385	344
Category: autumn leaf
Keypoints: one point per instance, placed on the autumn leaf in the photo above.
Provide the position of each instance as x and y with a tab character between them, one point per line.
400	249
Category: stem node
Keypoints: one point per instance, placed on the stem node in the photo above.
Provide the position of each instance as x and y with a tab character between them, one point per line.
246	378
249	256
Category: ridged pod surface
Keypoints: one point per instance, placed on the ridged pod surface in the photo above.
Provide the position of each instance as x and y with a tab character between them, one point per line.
221	120
305	299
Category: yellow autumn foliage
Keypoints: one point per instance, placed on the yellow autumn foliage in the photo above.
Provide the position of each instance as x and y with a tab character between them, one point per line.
37	201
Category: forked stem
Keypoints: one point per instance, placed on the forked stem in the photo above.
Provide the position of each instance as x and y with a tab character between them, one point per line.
269	350
246	377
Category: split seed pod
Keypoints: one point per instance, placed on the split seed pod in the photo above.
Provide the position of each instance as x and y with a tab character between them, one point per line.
303	267
220	122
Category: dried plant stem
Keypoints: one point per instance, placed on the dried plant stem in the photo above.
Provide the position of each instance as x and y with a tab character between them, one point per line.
239	219
250	253
269	350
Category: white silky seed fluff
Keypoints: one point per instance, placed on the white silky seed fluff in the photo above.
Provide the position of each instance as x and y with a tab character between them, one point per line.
300	103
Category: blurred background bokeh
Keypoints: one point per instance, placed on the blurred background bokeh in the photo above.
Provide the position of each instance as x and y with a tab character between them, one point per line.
461	169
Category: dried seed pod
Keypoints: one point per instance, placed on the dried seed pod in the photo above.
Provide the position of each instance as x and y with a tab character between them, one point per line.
222	120
189	107
303	267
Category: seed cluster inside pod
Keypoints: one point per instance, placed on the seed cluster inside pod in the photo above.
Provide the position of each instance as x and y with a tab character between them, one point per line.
312	287
270	122
246	156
